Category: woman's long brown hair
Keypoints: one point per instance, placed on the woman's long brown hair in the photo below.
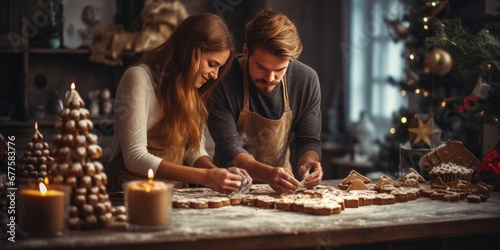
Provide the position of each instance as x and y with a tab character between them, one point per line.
175	65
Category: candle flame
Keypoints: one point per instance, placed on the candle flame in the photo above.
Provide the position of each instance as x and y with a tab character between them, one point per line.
150	174
43	188
36	125
46	180
73	87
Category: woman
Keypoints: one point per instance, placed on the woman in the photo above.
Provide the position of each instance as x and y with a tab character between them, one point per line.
160	109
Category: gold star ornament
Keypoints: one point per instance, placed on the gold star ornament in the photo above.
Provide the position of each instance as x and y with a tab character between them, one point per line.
424	134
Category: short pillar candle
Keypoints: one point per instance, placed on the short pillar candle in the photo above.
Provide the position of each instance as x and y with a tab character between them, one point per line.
148	204
43	210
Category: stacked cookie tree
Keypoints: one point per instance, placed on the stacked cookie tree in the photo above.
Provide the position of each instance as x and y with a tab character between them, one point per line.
34	165
76	151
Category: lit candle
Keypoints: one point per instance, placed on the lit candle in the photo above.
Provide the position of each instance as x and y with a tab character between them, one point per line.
37	136
43	211
148	204
73	99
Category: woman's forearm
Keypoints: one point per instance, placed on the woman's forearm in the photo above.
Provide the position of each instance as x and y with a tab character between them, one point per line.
204	162
170	171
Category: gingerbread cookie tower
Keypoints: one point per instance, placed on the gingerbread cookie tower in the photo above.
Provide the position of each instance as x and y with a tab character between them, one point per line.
34	165
76	151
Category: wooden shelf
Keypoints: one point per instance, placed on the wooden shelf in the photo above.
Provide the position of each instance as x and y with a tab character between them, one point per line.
59	51
10	50
49	121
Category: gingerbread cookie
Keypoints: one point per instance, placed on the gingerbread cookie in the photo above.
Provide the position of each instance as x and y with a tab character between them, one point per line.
385	180
283	204
384	199
353	175
265	202
357	184
473	198
411	173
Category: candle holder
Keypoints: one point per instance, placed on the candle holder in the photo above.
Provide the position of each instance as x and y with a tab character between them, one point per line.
43	210
149	204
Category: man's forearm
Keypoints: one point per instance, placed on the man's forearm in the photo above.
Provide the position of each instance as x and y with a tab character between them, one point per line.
308	156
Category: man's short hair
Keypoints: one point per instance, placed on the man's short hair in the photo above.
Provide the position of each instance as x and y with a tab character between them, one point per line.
273	32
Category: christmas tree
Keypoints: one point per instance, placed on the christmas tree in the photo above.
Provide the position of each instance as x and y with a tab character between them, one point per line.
435	81
479	51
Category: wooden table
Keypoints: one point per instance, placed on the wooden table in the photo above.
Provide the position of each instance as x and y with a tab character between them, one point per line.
241	227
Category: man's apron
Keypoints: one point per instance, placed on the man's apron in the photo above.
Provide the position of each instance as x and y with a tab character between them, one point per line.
118	174
266	139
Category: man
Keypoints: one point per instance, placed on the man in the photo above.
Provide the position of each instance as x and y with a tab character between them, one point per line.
266	98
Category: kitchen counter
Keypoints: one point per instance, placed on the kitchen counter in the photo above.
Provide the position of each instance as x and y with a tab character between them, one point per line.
242	227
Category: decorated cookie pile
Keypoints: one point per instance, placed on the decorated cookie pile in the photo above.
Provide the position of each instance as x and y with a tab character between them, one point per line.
322	200
354	191
457	190
36	161
76	151
450	171
202	198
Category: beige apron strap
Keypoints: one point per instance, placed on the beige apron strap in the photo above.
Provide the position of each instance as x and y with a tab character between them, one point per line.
246	98
285	94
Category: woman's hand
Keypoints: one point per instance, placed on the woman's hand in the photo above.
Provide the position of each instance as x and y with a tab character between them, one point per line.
246	180
222	181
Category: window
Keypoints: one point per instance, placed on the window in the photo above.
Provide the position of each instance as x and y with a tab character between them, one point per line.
371	57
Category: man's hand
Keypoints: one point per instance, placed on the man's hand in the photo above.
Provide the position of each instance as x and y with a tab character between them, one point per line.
281	180
315	173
